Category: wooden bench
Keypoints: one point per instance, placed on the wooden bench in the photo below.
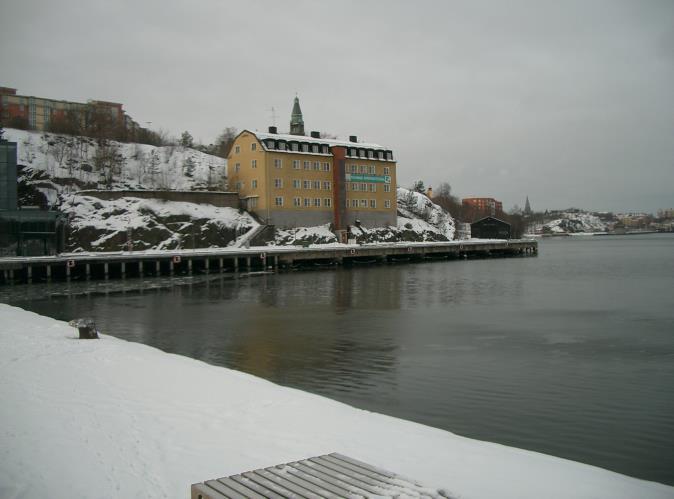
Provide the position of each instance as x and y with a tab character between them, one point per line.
329	476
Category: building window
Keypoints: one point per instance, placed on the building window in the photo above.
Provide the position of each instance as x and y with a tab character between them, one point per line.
387	203
354	186
253	147
354	203
326	167
296	163
327	185
238	186
373	203
363	203
293	146
307	202
278	201
278	183
327	202
317	184
317	202
314	148
373	187
325	149
361	153
317	165
278	163
371	170
270	144
297	184
354	168
362	168
253	184
237	167
370	154
305	147
253	163
297	202
387	170
237	149
389	155
387	187
307	165
282	146
363	187
307	184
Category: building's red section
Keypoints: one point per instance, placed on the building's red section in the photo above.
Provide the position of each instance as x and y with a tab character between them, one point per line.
483	204
338	160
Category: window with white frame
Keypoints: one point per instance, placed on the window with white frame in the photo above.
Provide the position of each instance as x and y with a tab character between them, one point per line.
363	187
282	146
296	163
362	168
317	184
297	183
307	202
373	187
305	147
278	200
237	149
327	185
278	183
354	203
387	170
270	144
370	154
317	202
354	168
278	163
237	167
354	186
307	165
327	202
314	148
389	155
317	165
253	147
387	203
371	169
363	203
307	184
253	163
238	186
373	203
297	202
324	149
253	184
387	187
293	146
326	167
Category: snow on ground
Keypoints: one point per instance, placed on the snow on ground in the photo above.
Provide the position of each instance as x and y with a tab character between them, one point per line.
109	418
57	163
304	236
574	223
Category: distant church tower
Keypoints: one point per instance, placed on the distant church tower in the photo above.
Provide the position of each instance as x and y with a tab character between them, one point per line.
296	120
527	207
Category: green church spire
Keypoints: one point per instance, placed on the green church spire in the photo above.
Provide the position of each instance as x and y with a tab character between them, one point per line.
296	120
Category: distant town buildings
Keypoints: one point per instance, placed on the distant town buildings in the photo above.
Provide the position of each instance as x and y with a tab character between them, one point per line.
39	113
476	208
293	180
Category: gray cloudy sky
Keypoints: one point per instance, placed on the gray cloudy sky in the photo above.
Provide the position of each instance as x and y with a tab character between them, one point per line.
571	102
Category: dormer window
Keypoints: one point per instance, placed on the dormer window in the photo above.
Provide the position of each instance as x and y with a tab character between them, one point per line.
314	147
282	146
270	144
305	147
361	153
370	154
293	146
324	149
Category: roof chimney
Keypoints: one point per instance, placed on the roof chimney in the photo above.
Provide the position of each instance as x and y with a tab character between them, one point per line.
353	138
273	129
315	135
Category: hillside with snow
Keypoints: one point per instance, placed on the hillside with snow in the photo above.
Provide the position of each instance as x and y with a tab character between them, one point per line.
574	223
101	225
53	164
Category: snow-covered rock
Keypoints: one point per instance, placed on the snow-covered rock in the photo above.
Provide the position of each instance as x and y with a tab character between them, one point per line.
102	225
109	418
56	164
572	223
422	214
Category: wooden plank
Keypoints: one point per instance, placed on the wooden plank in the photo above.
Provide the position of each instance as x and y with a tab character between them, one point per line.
202	491
375	482
353	480
244	491
316	489
263	482
256	487
347	487
296	489
224	490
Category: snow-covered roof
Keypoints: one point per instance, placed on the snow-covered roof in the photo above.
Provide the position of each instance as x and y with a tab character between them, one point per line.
311	140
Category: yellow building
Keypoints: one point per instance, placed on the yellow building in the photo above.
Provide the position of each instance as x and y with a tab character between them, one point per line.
292	180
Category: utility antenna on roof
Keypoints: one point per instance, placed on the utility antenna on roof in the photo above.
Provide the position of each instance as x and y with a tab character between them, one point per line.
273	116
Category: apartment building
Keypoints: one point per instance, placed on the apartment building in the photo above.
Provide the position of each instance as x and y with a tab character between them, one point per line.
292	180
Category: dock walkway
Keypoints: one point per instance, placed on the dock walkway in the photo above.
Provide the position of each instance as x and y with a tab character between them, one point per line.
113	265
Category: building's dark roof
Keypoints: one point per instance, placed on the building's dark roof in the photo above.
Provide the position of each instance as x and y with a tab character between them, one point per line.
490	217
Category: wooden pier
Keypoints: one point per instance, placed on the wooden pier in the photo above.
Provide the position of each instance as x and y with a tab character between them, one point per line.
121	265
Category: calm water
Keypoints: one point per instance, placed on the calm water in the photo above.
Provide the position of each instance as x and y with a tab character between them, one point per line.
570	353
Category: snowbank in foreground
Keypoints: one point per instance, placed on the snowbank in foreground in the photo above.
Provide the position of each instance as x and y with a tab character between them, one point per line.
111	419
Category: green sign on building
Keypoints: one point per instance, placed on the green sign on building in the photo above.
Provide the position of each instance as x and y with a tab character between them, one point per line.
380	179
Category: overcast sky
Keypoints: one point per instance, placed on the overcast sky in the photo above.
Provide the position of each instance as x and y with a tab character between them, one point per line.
570	103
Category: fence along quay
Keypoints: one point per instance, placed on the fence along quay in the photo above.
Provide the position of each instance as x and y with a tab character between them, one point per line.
120	265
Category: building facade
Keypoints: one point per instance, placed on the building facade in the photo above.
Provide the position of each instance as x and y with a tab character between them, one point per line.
38	112
483	204
292	180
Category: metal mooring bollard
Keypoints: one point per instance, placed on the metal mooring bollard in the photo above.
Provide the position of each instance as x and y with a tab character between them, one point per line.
86	327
